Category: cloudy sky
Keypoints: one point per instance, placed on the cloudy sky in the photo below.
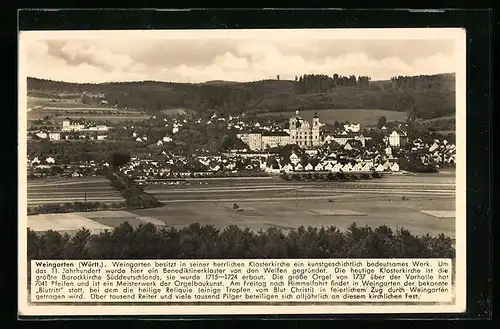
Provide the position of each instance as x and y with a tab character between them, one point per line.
205	58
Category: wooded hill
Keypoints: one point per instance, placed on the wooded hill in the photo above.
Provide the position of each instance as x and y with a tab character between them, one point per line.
431	96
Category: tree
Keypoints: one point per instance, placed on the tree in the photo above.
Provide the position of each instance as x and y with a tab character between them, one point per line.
382	121
118	159
278	77
78	244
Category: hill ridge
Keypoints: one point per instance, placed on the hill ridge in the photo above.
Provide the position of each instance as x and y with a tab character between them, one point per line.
431	96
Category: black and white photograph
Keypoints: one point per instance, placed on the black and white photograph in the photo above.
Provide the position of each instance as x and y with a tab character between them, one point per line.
244	145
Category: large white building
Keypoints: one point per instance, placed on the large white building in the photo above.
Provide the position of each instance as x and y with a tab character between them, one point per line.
264	140
253	140
274	139
69	126
303	133
300	132
397	139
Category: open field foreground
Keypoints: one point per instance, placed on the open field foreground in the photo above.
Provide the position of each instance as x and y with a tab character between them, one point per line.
92	189
428	205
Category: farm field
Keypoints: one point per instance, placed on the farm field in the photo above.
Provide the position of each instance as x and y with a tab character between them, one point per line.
428	206
111	118
290	214
39	107
46	191
361	116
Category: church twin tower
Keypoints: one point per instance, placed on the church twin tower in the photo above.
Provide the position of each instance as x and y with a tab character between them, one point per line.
303	133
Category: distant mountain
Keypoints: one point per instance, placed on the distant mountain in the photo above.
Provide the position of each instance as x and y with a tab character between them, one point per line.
430	96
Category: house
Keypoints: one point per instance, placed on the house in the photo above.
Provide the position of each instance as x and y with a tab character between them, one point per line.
70	126
299	167
55	136
309	167
434	147
167	139
42	135
329	166
352	127
348	147
294	158
319	167
76	174
357	167
398	139
101	137
332	157
395	167
288	167
387	165
367	167
380	168
159	143
337	167
347	167
312	152
50	160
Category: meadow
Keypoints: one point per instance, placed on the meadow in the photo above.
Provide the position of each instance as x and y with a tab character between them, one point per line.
39	107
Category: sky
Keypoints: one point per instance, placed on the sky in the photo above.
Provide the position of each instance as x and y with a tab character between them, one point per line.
200	58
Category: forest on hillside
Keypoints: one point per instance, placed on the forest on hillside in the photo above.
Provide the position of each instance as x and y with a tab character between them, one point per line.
428	96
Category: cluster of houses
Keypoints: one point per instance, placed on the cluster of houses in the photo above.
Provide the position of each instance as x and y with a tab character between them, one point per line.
72	130
167	165
48	167
439	152
331	163
272	136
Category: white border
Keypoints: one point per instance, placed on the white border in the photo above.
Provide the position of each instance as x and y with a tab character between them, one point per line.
456	34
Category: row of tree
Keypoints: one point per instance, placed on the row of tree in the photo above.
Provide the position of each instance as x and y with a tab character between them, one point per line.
421	81
134	195
208	242
319	83
53	208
